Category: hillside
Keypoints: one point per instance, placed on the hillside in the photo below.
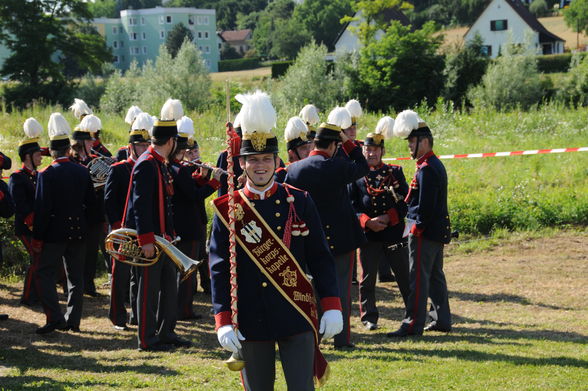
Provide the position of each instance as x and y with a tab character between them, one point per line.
555	24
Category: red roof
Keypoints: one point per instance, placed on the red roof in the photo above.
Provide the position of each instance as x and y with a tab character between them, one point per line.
235	35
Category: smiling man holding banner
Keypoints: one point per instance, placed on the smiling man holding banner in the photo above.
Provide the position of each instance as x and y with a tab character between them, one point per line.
280	245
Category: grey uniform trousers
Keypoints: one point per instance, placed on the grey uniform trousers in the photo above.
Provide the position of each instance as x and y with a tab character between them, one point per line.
344	269
71	254
296	355
426	280
371	255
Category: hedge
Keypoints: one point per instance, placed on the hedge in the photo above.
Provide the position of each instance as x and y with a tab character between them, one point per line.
238	64
555	63
279	68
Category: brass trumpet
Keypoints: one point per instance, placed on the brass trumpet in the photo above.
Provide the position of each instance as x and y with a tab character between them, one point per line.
122	245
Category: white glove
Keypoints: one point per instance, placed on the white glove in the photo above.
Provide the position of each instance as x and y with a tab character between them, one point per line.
228	339
331	323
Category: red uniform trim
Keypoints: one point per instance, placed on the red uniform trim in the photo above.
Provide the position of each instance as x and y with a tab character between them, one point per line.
117	225
146	238
363	219
214	184
253	196
331	303
320	153
349	146
222	319
29	219
416	231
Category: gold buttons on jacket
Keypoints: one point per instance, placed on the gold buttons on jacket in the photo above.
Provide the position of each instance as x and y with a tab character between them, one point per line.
332	247
278	214
278	202
279	227
264	284
328	226
328	238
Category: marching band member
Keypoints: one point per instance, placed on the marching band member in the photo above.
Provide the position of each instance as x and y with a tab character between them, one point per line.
280	239
186	200
355	111
64	199
430	230
221	162
132	113
297	143
325	174
22	186
310	116
149	210
115	195
378	199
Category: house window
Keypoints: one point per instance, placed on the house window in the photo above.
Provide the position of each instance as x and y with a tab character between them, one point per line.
161	19
206	35
161	34
122	44
144	49
191	19
142	20
498	25
144	35
199	34
115	30
486	50
115	59
120	30
133	36
168	19
115	44
207	49
205	20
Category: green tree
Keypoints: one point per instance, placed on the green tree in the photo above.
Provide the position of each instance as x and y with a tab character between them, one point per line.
576	16
288	38
104	9
226	10
322	18
465	66
372	17
176	37
511	81
228	52
401	69
574	89
539	8
39	35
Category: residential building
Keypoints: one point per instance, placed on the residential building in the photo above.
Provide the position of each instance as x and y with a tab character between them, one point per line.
240	40
509	21
138	34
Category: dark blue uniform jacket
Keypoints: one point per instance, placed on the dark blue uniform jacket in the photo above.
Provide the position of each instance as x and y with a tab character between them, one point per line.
116	190
22	186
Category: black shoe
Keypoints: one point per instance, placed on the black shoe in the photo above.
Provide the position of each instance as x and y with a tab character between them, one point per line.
3	316
121	327
370	325
191	317
181	343
50	327
400	333
158	347
73	329
348	346
434	327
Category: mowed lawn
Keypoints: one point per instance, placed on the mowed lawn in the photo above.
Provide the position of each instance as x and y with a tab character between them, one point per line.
520	323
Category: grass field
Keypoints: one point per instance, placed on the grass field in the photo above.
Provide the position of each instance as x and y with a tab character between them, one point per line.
520	323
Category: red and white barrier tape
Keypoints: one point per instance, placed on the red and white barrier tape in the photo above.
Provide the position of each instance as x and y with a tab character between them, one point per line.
497	154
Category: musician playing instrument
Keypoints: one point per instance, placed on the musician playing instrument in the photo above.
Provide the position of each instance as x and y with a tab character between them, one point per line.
64	199
123	281
280	240
378	199
149	211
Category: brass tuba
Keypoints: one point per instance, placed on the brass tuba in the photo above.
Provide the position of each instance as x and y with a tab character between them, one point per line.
122	245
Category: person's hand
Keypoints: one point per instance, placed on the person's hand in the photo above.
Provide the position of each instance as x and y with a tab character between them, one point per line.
217	173
375	225
204	172
383	219
241	180
344	137
148	250
331	323
228	339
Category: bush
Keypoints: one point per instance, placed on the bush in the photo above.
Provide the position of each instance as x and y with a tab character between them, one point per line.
539	8
554	63
279	68
511	81
308	81
238	64
121	92
575	86
91	90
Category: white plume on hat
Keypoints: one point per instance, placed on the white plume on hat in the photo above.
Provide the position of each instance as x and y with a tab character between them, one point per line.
406	122
309	114
58	126
257	113
80	108
340	117
185	126
143	122
32	128
90	123
172	110
354	108
385	127
132	113
295	128
237	121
